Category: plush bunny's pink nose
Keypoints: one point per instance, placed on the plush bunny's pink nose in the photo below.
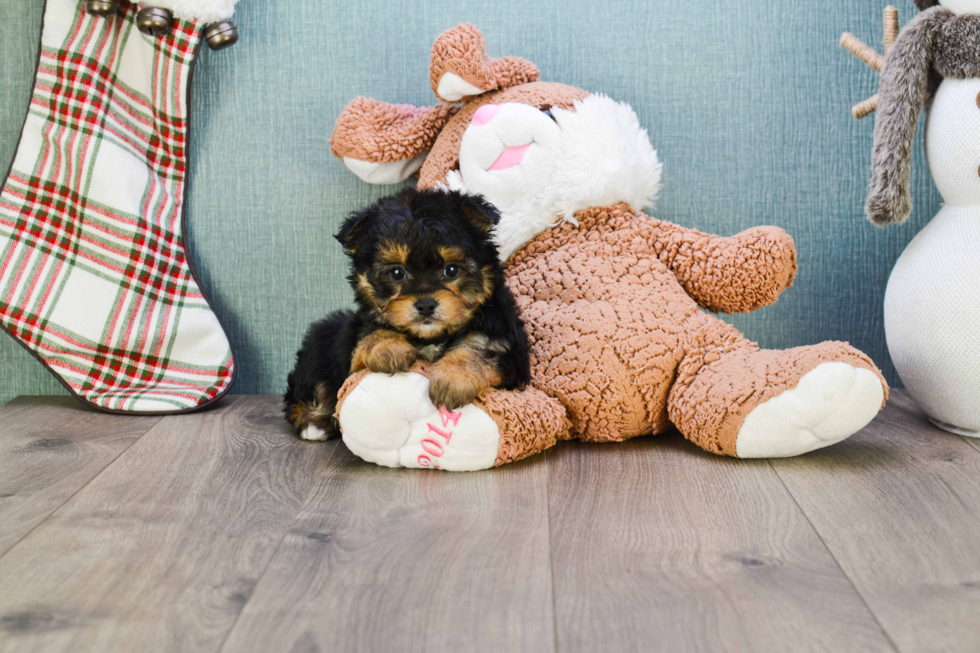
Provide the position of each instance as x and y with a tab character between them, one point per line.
485	114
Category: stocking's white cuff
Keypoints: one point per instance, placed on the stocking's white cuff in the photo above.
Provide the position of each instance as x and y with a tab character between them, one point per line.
208	11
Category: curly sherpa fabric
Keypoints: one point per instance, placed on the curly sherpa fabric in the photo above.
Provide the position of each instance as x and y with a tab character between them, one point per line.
529	422
739	274
462	51
380	132
617	335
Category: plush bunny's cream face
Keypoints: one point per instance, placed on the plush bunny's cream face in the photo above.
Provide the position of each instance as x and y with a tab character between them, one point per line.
507	153
541	166
962	6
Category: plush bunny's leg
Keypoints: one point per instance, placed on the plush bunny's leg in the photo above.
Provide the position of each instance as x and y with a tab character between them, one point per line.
735	399
389	420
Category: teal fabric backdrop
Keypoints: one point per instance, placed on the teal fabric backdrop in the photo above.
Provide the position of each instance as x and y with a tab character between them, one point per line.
748	104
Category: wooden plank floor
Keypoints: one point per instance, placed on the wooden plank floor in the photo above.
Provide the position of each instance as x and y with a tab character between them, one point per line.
221	532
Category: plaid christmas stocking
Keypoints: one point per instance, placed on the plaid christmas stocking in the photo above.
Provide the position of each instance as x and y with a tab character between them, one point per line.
93	275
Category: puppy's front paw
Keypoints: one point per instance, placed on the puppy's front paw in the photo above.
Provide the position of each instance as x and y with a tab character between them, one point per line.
385	352
451	391
459	376
391	357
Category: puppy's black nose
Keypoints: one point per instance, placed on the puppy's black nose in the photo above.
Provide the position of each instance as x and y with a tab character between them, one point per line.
426	307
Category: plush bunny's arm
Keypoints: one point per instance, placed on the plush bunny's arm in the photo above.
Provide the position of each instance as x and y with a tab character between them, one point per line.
737	274
904	82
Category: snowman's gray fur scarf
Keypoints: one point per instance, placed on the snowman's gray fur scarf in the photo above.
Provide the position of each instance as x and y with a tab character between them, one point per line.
935	44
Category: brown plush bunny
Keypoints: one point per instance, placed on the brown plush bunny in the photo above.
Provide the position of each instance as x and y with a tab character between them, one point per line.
611	298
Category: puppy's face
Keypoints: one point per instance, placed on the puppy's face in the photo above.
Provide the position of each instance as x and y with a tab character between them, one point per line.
426	287
423	261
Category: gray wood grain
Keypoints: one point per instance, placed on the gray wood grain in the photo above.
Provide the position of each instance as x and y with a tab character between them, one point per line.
49	449
407	560
658	546
973	442
161	551
899	507
221	531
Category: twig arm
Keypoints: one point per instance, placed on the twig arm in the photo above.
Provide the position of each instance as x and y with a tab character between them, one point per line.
862	51
891	27
874	60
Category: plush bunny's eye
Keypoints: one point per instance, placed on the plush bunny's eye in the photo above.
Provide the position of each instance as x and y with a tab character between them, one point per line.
548	113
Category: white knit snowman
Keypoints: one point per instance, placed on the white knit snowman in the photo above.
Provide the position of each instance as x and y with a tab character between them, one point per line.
932	303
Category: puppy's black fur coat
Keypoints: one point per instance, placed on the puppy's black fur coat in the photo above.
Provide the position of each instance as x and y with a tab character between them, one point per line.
408	252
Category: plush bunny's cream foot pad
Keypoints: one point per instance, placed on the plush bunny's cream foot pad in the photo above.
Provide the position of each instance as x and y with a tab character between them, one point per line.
390	420
830	403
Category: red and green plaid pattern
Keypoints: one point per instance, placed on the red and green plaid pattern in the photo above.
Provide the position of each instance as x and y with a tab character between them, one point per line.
93	275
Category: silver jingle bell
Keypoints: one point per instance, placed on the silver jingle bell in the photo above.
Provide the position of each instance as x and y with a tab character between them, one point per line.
221	35
154	21
102	7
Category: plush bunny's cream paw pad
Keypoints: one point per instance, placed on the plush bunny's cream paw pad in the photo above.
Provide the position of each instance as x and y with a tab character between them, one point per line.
389	420
384	173
830	403
454	88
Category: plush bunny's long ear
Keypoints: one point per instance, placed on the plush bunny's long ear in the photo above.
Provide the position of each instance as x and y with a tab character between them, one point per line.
386	143
460	67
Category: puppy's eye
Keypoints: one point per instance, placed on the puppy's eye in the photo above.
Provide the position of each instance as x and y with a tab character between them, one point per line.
451	271
548	113
396	274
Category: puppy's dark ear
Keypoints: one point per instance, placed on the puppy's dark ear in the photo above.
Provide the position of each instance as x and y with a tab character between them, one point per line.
925	4
354	230
480	213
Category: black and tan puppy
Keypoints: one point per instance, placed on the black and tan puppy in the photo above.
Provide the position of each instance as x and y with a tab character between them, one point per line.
429	286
